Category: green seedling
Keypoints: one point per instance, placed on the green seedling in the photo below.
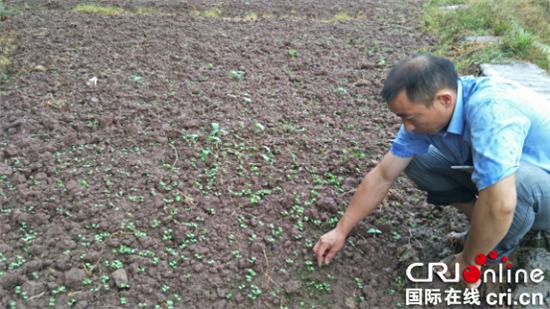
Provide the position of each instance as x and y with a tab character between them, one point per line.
259	126
252	274
255	292
291	52
359	284
204	154
83	183
192	137
238	75
400	284
216	130
340	91
374	231
396	236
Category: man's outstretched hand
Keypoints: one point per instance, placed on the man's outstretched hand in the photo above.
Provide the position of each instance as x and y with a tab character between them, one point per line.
328	245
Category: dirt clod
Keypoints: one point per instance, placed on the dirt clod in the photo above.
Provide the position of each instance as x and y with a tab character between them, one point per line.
74	277
293	287
120	277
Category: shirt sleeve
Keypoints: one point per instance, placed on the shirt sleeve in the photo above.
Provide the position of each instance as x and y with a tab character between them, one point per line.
408	144
498	132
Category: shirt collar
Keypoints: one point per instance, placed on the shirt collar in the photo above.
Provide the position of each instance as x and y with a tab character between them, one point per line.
456	126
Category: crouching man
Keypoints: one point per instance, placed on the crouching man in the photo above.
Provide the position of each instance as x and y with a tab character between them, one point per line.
499	128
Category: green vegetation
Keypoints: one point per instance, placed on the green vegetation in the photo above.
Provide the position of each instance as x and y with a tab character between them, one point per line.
208	13
92	8
251	16
3	11
5	46
522	25
342	16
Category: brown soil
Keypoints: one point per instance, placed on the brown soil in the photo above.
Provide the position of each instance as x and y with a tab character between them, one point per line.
393	10
129	172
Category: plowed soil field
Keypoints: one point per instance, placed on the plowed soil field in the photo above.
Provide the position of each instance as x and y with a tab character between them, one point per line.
189	155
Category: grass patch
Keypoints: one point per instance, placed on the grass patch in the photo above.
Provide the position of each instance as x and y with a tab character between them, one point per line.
251	16
5	63
92	8
3	11
523	26
342	16
5	14
208	13
145	11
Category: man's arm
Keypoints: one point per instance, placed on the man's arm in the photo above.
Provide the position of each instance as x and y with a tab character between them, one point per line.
492	216
370	193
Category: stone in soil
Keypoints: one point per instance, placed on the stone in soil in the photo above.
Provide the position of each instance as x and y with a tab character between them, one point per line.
120	277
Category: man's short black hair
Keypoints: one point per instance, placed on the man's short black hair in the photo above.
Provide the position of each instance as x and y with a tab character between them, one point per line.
422	76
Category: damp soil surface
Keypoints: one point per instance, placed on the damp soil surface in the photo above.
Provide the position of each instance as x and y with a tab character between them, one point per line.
193	162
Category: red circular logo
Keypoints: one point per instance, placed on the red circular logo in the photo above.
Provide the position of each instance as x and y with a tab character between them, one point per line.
493	255
471	274
481	259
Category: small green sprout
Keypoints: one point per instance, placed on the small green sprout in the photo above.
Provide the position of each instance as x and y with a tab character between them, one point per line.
374	231
396	236
259	126
238	75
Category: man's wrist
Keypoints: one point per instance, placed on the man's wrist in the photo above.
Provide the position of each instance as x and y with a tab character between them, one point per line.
342	229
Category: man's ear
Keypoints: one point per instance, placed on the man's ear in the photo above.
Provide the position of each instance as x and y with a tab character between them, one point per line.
445	97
